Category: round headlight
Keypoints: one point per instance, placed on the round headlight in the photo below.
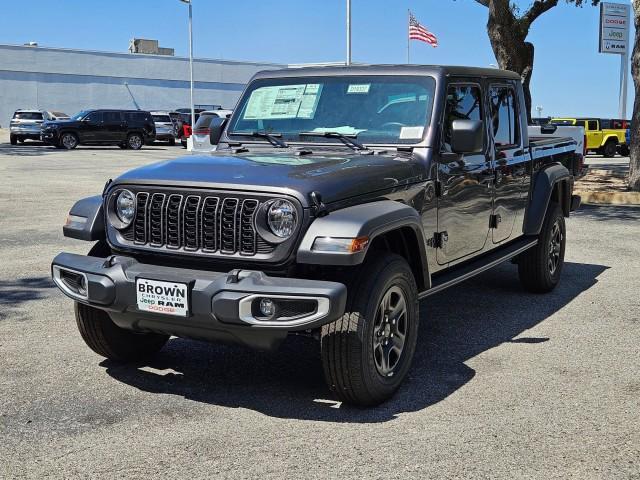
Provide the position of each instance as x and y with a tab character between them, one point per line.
126	207
282	218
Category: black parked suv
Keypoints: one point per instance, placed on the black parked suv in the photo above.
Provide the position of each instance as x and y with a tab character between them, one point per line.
338	198
125	128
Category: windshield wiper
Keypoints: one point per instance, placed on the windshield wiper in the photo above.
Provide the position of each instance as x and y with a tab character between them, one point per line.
348	140
272	138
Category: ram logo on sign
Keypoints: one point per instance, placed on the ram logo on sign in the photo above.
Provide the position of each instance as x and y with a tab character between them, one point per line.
614	28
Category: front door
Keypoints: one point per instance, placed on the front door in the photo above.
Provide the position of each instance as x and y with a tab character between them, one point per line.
89	127
511	160
465	200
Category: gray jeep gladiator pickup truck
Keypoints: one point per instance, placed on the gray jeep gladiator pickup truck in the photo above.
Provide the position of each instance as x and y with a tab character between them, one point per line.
337	200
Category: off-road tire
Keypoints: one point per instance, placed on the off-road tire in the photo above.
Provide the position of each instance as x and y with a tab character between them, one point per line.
610	149
135	141
347	345
623	150
536	274
13	139
108	340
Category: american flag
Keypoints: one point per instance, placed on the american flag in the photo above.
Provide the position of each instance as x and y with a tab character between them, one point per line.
419	32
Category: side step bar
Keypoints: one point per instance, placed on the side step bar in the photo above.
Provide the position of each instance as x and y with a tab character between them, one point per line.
474	267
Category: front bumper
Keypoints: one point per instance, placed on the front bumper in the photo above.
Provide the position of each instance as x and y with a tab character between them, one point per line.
221	305
49	136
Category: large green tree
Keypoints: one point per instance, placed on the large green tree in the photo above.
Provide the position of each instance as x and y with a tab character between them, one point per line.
508	27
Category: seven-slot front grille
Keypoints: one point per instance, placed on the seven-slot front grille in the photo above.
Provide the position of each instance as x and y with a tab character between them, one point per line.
196	222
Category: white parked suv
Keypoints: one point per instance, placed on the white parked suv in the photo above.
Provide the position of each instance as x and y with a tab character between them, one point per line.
26	125
165	128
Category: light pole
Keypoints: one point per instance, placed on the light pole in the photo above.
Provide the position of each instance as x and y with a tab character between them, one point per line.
193	111
348	32
539	109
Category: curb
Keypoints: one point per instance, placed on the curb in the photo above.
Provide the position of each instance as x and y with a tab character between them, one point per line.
609	198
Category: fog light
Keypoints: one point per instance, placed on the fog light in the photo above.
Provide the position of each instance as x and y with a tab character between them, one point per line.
82	287
267	307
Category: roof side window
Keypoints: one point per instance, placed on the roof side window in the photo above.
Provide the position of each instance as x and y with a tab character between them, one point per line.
93	117
504	116
464	102
592	125
112	117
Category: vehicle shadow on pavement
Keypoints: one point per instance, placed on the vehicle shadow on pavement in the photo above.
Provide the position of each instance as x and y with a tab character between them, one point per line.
13	293
603	213
26	150
456	326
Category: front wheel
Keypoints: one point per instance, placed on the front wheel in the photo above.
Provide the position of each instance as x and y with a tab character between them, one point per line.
69	141
367	353
135	141
107	339
540	267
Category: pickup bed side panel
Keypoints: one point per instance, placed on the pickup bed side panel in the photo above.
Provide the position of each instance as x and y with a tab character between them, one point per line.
543	185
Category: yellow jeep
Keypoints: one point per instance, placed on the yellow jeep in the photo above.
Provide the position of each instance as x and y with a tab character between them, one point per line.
605	137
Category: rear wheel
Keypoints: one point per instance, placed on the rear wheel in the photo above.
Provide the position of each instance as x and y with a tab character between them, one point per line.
21	139
69	141
172	142
135	141
540	267
367	353
13	139
610	149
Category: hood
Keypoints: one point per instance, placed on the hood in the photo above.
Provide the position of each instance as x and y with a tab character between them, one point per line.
335	175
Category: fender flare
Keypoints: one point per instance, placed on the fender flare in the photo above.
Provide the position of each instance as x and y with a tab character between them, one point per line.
366	220
86	220
609	137
545	182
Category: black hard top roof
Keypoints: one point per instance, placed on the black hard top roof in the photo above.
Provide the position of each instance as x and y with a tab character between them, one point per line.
431	70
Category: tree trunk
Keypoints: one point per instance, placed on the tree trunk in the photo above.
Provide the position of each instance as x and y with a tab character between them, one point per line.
507	35
634	166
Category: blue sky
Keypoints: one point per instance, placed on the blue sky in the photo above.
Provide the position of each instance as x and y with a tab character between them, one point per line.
570	77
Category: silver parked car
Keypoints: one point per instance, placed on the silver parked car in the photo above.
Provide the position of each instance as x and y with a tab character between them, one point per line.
26	125
201	140
165	127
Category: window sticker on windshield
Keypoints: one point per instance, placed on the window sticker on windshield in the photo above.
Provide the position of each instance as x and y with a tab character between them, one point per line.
359	88
283	102
414	133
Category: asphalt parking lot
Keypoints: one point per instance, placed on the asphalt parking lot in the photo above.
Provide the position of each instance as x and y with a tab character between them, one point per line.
505	384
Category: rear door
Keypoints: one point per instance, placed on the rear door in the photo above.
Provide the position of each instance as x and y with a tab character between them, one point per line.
511	159
594	135
465	200
114	129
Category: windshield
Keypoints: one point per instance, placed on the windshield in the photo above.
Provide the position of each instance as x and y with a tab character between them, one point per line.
375	109
28	115
162	118
80	115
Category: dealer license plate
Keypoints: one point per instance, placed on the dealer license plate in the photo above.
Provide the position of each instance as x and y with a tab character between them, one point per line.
169	298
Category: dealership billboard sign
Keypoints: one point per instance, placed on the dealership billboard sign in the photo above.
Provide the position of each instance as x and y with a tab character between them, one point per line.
614	28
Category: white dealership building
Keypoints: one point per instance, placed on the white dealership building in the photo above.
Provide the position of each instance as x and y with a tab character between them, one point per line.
70	80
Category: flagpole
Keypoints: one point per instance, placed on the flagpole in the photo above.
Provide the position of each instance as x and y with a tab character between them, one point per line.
408	36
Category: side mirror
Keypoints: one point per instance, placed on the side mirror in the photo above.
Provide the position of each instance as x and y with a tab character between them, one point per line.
467	136
216	128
